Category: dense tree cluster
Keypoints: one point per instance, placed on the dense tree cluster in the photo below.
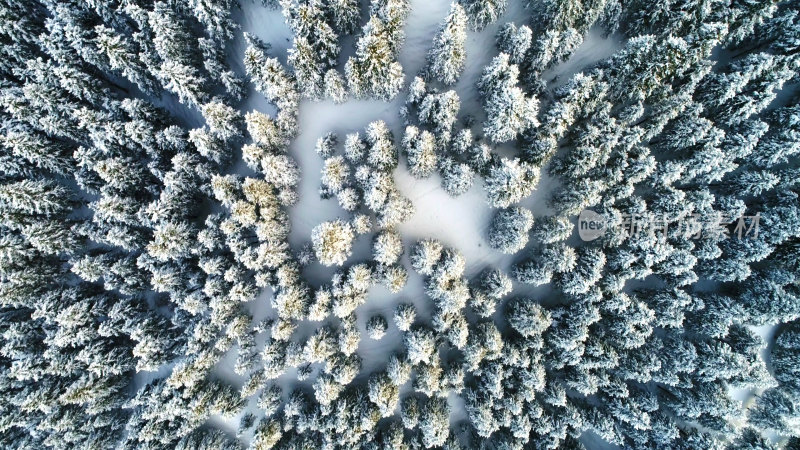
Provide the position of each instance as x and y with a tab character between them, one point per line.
134	251
361	180
100	195
654	137
436	143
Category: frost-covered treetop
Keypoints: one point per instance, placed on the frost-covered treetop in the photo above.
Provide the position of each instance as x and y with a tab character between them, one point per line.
332	242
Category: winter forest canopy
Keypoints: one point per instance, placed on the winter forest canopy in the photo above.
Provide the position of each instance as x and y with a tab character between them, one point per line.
399	224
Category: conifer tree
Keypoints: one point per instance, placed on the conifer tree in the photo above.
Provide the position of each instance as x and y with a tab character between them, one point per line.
457	177
508	231
345	15
510	181
509	112
332	242
404	316
376	327
483	12
446	57
315	46
514	41
420	149
373	72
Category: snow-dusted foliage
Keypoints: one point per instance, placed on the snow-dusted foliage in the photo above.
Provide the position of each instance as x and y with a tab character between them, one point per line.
374	72
483	12
509	181
332	242
447	56
509	111
376	327
508	231
163	283
362	179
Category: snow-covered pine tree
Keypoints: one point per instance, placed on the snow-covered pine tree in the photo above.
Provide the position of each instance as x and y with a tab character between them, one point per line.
332	242
483	12
509	112
447	56
514	41
374	71
315	46
376	327
508	230
509	181
420	149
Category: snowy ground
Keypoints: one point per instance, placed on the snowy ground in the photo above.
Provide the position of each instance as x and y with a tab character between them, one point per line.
460	223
